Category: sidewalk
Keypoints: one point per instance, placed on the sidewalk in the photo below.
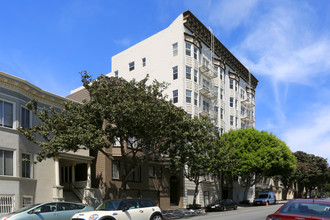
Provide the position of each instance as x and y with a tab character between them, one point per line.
182	213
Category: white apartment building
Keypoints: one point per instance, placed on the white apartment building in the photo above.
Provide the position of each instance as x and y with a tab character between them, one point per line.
205	79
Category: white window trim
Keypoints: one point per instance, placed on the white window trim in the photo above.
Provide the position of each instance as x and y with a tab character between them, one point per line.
15	122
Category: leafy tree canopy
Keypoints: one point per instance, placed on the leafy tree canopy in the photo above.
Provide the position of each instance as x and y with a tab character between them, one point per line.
258	154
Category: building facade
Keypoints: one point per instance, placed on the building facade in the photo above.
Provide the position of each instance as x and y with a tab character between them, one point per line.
205	79
21	181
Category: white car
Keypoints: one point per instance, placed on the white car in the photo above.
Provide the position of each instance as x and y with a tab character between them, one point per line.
124	209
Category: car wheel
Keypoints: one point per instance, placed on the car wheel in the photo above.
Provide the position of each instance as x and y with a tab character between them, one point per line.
223	208
235	207
157	217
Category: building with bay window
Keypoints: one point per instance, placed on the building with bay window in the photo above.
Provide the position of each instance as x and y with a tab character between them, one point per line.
23	182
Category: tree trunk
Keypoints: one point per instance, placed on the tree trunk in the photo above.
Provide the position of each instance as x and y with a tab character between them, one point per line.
246	190
195	193
123	189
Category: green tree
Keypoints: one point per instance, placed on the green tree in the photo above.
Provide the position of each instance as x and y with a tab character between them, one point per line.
135	113
311	171
257	154
195	155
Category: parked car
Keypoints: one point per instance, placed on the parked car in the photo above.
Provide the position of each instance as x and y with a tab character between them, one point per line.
303	209
123	209
221	205
264	198
47	211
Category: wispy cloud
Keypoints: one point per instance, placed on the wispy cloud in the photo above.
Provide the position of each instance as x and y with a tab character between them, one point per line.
230	14
312	135
124	42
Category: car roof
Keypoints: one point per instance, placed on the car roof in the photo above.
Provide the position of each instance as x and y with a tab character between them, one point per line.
318	201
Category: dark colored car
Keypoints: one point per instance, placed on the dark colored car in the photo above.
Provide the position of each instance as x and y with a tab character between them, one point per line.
303	209
221	205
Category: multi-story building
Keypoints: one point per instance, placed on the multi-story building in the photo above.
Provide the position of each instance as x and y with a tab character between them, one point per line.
23	182
205	78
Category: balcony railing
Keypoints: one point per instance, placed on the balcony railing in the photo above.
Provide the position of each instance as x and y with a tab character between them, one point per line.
208	71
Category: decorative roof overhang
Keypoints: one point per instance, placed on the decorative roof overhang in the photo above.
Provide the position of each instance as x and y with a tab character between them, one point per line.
204	34
30	90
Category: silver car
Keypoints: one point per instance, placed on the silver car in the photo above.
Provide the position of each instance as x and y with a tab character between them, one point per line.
47	211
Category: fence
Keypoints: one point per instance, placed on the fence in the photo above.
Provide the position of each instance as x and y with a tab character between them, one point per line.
7	203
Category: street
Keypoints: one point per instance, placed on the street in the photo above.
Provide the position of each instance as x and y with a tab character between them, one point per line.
246	213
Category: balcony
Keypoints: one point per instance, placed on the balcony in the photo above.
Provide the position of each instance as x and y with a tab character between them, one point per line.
248	102
208	71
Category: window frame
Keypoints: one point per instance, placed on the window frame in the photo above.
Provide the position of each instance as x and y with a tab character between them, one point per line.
231	102
188	72
175	47
26	166
188	49
3	113
3	171
175	96
131	66
175	71
144	61
188	95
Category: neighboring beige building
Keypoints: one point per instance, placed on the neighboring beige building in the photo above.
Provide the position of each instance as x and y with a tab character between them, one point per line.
22	182
205	79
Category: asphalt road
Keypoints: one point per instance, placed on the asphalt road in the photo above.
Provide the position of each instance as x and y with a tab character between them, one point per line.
242	213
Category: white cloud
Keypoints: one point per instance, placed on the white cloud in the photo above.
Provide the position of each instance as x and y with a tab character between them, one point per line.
124	42
283	46
230	14
312	135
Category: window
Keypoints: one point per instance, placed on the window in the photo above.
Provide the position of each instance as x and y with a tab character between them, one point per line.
188	49
175	72
195	53
6	162
195	98
221	94
242	94
231	120
155	172
25	120
175	49
231	102
231	83
188	96
195	75
236	86
242	111
131	66
27	201
175	96
26	165
144	61
132	142
221	73
206	106
221	131
115	170
216	109
221	113
116	73
236	120
188	72
118	169
236	103
6	114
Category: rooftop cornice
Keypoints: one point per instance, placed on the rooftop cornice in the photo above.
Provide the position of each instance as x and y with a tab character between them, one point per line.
30	90
204	34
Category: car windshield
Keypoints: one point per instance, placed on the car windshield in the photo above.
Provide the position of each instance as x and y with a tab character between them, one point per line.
25	208
311	209
109	205
263	196
220	201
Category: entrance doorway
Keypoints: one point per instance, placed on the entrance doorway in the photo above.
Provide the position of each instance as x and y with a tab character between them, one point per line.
174	191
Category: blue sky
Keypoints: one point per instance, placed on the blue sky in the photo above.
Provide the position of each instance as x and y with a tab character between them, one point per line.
284	43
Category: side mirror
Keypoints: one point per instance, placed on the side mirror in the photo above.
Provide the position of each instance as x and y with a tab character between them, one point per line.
125	209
